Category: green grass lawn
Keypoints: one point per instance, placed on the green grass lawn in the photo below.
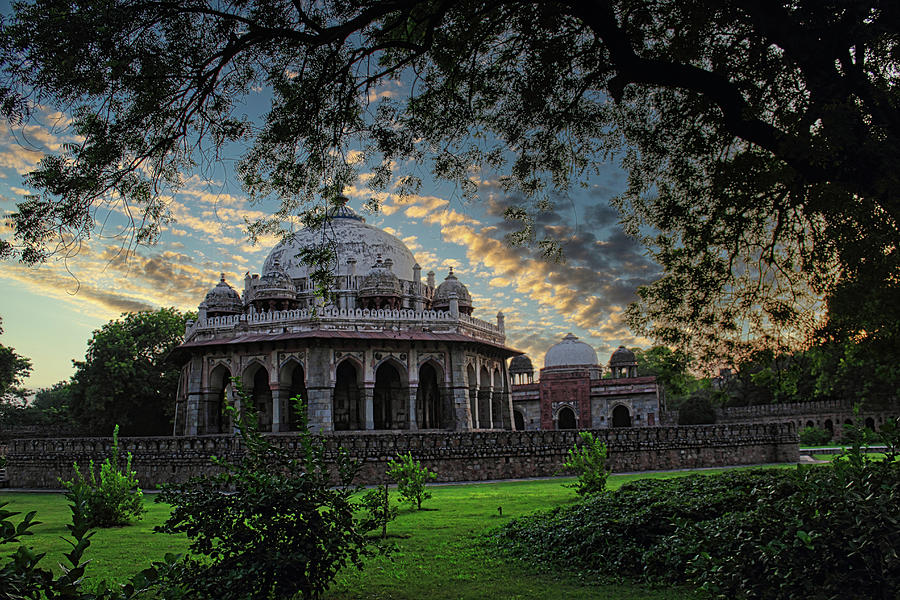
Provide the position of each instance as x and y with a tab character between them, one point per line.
437	553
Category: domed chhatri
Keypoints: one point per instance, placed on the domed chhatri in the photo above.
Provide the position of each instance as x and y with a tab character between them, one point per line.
380	288
223	300
273	291
383	350
444	295
570	352
623	363
521	370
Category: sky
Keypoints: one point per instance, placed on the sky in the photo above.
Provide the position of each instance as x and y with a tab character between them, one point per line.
49	312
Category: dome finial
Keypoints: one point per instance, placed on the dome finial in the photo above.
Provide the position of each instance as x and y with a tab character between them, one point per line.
222	277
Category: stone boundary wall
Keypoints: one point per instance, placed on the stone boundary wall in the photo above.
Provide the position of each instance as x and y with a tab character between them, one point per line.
796	411
462	456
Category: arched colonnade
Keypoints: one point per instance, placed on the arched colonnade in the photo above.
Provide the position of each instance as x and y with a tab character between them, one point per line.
383	404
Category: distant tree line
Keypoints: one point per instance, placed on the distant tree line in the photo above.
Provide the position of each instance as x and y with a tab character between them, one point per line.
125	379
834	370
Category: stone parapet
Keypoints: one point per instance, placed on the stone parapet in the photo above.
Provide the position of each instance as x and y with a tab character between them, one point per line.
343	319
453	456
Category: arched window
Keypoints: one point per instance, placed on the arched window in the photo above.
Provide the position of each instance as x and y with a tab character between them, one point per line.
347	413
621	417
565	418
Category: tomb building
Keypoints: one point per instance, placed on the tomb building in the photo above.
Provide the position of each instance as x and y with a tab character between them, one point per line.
571	392
386	352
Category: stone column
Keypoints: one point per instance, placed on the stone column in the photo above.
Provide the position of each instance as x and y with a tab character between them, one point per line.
413	421
318	409
277	408
369	392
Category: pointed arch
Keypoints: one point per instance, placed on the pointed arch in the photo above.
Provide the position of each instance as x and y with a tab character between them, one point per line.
429	404
565	418
255	381
347	401
473	394
621	416
219	392
390	400
484	398
292	380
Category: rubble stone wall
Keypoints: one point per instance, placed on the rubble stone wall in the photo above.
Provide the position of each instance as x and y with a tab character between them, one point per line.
453	456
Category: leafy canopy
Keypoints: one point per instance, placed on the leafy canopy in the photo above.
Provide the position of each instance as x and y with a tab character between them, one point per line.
760	138
125	377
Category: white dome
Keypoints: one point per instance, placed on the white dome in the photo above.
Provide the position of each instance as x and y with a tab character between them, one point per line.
353	239
570	352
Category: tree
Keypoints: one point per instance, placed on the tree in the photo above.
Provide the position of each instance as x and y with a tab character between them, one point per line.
761	138
14	369
671	369
125	378
411	478
272	523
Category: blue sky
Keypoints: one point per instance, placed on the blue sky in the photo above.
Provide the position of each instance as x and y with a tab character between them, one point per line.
49	311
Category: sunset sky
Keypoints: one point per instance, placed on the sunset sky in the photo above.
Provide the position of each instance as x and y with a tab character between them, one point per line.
50	311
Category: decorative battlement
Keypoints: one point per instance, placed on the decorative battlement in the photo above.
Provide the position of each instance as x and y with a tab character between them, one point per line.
307	319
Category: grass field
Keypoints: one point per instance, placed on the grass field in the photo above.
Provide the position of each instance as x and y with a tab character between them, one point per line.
436	552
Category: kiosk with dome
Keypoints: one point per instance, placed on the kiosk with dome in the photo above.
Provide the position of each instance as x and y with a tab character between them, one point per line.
390	352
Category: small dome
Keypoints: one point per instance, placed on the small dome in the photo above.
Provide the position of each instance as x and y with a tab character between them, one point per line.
622	357
521	364
570	352
223	299
275	284
442	294
380	281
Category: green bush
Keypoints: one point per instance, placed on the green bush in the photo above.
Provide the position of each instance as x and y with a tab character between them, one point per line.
813	532
411	478
587	461
814	436
114	497
379	511
269	525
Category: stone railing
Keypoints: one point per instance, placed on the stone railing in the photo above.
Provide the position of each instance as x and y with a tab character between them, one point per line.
323	318
463	456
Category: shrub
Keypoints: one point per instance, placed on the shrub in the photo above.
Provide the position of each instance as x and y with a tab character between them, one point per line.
270	525
815	532
114	496
588	462
411	478
376	503
814	436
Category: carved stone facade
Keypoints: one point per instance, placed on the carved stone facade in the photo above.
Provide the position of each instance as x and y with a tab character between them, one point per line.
571	393
389	352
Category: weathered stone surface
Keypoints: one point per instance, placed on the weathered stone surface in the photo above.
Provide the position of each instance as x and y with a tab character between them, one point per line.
454	456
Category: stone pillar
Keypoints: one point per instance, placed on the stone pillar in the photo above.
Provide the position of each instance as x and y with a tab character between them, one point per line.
278	409
369	392
413	420
319	409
